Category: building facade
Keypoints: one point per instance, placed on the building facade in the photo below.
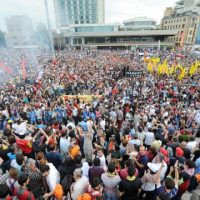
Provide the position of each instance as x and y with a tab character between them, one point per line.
79	12
110	36
185	19
139	23
20	32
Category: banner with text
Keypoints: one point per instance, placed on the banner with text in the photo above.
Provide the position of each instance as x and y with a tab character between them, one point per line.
85	98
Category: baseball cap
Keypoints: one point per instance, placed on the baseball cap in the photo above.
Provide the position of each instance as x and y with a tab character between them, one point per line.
163	151
179	152
153	167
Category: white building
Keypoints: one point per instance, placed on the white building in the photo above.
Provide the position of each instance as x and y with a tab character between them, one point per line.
79	12
139	23
104	36
20	32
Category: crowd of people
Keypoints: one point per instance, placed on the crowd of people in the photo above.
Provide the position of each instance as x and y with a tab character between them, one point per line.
137	141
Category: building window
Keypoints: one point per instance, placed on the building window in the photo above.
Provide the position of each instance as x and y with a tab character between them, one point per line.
190	33
165	22
184	19
183	25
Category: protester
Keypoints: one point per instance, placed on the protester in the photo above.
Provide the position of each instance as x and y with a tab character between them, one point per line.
62	115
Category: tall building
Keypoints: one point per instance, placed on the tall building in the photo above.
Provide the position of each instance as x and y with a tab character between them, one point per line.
20	32
185	19
79	12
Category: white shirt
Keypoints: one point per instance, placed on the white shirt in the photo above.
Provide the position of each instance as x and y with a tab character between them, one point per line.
75	112
79	187
137	142
53	177
71	124
20	128
197	118
102	162
191	145
64	144
85	168
149	138
103	124
163	171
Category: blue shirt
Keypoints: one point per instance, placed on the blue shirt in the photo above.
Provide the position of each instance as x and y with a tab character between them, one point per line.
170	194
83	124
197	166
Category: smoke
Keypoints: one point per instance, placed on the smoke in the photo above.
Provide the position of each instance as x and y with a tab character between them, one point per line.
24	45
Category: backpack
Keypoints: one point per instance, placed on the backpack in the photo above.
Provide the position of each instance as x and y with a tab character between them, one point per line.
85	196
66	183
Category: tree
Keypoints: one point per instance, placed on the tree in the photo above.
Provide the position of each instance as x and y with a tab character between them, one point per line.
2	39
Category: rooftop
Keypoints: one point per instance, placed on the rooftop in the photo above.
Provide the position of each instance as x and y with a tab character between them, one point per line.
124	33
139	19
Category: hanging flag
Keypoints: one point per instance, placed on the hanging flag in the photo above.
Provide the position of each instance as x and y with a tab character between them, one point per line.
23	70
182	72
194	68
150	67
6	68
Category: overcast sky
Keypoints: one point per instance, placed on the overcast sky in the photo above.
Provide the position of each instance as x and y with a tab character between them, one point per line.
116	10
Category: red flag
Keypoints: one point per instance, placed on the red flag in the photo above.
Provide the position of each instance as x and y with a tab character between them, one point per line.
23	70
6	68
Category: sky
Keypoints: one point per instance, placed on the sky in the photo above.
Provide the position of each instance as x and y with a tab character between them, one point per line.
115	10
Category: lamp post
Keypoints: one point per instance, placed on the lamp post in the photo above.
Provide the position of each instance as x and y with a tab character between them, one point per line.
49	28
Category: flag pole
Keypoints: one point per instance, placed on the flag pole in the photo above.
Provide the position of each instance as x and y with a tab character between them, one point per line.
49	28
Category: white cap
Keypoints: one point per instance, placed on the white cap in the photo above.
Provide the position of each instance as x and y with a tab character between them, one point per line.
153	167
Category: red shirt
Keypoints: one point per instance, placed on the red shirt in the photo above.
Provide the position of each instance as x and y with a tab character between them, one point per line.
24	145
182	188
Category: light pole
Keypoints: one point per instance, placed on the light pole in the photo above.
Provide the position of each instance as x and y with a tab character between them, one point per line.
49	28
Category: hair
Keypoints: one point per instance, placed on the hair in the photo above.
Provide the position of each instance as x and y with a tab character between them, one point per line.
124	142
11	139
96	162
131	171
4	191
169	183
139	129
161	157
190	164
153	150
135	136
78	159
117	148
185	176
128	163
111	167
163	196
39	155
13	172
19	159
52	147
78	172
22	179
95	182
192	138
29	162
44	168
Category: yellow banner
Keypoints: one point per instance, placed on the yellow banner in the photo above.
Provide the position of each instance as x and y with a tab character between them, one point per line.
85	98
